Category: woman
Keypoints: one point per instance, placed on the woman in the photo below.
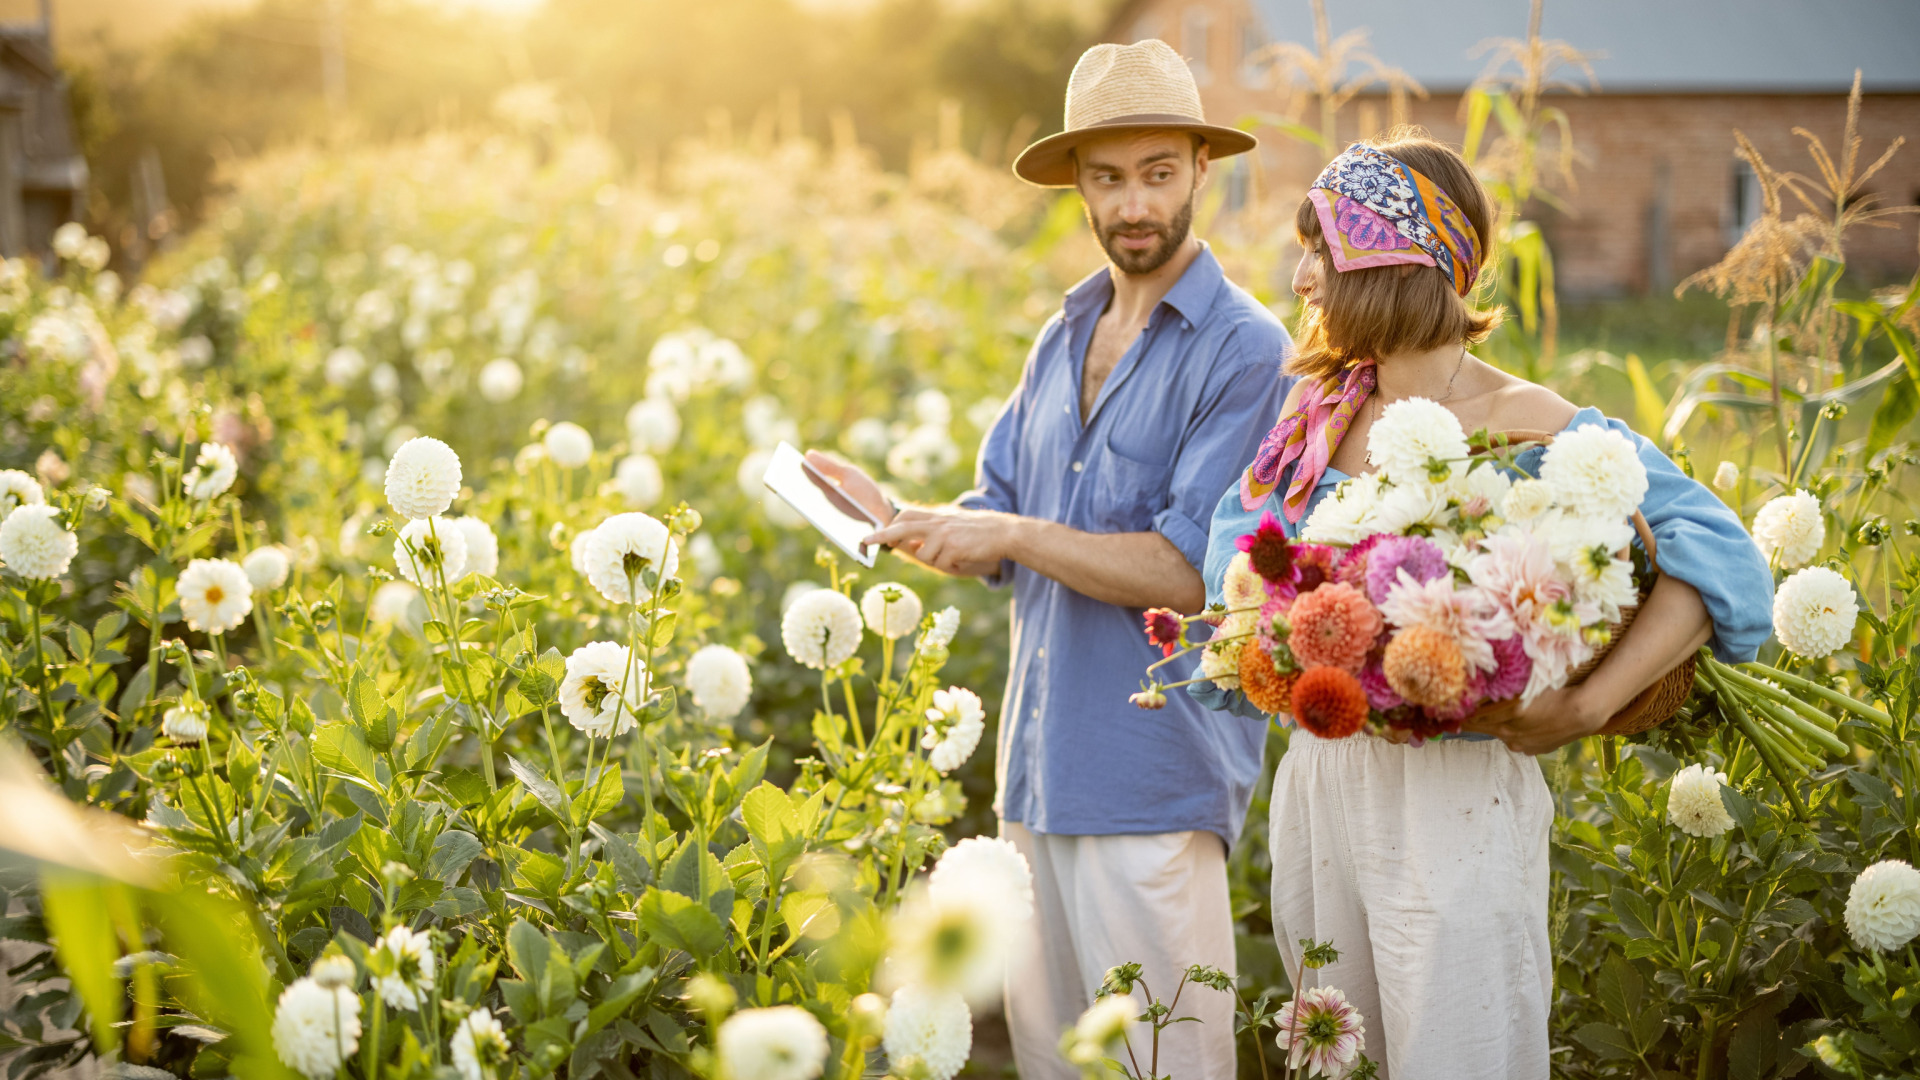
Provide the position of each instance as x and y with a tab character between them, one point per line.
1426	866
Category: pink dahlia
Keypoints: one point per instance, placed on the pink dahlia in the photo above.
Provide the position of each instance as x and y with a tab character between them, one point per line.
1320	1030
1380	695
1513	667
1334	626
1466	614
1419	557
1163	629
1269	639
1517	572
1353	565
1269	550
1313	566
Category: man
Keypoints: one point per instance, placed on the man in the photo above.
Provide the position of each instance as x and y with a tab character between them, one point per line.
1140	403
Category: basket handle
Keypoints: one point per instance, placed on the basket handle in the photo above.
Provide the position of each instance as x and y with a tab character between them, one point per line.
1640	526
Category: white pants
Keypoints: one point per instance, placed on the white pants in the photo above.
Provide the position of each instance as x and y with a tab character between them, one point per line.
1159	900
1426	867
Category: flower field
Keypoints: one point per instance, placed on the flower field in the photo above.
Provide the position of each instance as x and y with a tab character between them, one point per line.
390	568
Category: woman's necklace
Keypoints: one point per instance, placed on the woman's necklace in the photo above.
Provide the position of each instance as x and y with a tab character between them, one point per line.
1444	398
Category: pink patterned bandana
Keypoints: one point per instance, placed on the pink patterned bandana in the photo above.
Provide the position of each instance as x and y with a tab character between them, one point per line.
1314	419
1376	210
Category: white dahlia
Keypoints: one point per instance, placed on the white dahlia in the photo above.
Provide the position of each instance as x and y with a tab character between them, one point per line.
215	595
315	1029
1883	906
266	567
946	623
500	380
1694	804
1241	587
637	478
17	488
1414	502
1814	612
1527	499
392	602
622	549
604	689
434	542
33	544
213	472
954	725
1346	515
720	681
334	970
990	864
185	722
1726	476
1596	472
483	547
955	939
1410	433
891	610
568	444
1220	660
409	962
653	425
1790	529
1103	1029
932	1027
577	550
781	1043
480	1047
821	629
423	478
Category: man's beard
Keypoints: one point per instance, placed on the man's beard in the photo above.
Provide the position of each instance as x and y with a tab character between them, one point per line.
1172	234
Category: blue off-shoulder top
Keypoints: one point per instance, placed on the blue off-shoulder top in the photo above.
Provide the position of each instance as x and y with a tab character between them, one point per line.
1698	539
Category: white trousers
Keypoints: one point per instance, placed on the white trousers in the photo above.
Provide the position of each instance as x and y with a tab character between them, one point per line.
1159	900
1426	867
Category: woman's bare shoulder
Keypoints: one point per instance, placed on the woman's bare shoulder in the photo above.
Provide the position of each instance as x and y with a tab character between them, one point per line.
1517	405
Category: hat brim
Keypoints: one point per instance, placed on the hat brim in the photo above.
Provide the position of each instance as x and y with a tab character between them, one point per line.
1049	162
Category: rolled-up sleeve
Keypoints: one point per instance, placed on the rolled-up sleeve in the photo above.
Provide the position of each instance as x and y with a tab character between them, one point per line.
1702	542
1236	408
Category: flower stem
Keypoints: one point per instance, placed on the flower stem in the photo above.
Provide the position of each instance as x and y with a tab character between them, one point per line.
47	718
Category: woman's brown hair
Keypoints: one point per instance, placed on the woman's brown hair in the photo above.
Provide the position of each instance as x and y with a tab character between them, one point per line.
1379	310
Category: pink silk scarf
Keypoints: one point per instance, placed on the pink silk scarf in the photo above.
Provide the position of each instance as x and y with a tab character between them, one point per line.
1314	419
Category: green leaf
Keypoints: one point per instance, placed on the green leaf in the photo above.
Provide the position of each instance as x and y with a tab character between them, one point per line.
1898	406
75	907
528	951
344	749
1635	915
679	922
540	683
621	994
452	851
539	786
1650	411
1605	1040
605	794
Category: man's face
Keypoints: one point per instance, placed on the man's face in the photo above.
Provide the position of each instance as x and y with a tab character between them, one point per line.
1139	187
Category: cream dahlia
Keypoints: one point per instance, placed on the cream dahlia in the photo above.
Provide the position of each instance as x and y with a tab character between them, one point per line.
483	547
653	425
946	623
1814	612
315	1029
215	595
1694	804
213	472
954	725
422	478
1790	529
1596	472
821	629
719	681
16	488
408	962
1411	433
933	1028
990	864
480	1047
429	547
1883	906
638	480
891	610
622	549
34	545
568	444
784	1042
604	689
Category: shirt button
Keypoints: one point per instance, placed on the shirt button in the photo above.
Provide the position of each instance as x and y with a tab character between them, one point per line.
1042	653
1076	466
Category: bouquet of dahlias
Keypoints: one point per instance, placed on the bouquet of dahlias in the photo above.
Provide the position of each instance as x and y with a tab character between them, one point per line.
1433	586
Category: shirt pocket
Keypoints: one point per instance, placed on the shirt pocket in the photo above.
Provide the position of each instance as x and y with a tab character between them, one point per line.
1130	492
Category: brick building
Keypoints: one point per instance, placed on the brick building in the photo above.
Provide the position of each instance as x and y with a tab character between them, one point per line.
1659	191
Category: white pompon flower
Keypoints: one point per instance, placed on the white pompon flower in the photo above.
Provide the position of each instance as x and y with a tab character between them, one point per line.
720	681
1883	906
213	472
215	595
1410	433
891	610
954	939
1694	804
315	1028
480	1047
392	602
604	689
1527	499
637	478
185	722
954	725
1814	612
483	547
1242	588
434	542
653	425
577	550
34	545
1596	472
266	567
409	980
781	1043
423	478
1726	476
821	629
990	864
1346	516
1790	528
946	623
1103	1029
931	1027
500	380
1220	660
623	548
334	970
17	488
568	444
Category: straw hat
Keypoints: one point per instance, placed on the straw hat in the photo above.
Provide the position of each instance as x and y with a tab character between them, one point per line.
1117	87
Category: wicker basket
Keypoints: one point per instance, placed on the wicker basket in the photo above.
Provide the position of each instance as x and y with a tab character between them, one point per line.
1656	704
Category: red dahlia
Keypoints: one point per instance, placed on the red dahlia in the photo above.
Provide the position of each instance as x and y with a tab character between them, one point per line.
1163	629
1269	551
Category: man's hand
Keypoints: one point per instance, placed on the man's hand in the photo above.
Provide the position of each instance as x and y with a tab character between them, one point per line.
1555	719
964	543
854	482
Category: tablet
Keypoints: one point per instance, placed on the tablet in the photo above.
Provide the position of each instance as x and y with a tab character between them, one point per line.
822	503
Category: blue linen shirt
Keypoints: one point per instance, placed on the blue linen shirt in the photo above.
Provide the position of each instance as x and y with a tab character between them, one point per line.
1697	538
1183	410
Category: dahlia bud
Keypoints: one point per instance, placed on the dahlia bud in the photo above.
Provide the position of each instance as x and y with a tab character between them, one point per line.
1873	533
334	971
867	1016
1150	698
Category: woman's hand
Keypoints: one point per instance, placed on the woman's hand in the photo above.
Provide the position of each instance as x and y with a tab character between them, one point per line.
1555	719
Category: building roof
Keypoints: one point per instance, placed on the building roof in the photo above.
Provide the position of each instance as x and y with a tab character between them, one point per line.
1649	46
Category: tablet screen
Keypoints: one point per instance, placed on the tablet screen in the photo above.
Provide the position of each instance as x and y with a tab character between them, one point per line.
822	503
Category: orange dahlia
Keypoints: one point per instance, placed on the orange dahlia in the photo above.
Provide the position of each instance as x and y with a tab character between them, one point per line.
1267	688
1425	666
1334	625
1329	702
